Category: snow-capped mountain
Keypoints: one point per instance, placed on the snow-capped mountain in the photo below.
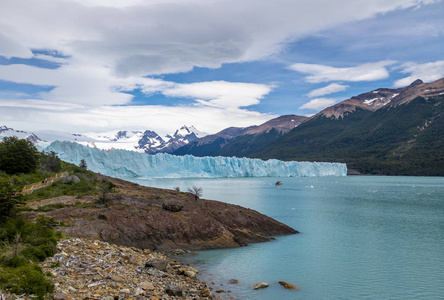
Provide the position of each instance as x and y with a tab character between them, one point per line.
8	132
144	141
371	101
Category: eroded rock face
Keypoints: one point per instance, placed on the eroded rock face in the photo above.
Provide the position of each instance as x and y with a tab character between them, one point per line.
137	217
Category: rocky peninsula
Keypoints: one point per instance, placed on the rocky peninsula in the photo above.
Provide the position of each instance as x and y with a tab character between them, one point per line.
158	219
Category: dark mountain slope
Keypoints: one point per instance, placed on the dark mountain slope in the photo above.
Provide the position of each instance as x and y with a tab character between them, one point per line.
240	142
406	139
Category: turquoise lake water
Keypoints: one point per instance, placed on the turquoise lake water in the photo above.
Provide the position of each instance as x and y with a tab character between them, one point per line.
361	237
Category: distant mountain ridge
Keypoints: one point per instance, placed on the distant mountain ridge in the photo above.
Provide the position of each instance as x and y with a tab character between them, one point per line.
385	131
234	141
145	141
8	132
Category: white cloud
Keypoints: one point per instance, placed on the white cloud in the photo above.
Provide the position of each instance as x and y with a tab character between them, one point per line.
329	89
221	93
162	119
318	103
111	46
156	37
364	72
9	47
426	72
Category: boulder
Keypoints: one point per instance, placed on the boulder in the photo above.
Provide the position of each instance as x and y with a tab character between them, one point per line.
117	278
260	285
172	205
174	290
188	271
59	296
288	286
157	273
205	292
70	178
233	281
146	285
159	264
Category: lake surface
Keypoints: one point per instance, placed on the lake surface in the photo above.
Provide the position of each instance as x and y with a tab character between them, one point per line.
361	237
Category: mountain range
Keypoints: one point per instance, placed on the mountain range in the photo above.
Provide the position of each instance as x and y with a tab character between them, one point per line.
384	131
144	141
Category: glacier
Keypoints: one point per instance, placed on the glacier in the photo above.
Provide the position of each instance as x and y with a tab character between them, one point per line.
124	164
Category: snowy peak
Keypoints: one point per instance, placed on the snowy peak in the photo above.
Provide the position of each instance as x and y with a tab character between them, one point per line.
8	132
145	141
379	98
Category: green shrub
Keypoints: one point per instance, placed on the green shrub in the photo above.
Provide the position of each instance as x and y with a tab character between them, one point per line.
18	156
25	279
24	243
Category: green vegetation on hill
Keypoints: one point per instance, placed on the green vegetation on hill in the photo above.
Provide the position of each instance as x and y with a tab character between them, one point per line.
396	140
202	149
23	244
244	145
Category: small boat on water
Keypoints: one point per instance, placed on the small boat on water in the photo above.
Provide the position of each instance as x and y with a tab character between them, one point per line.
278	183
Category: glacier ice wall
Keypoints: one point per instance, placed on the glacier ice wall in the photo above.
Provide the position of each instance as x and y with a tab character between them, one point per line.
122	163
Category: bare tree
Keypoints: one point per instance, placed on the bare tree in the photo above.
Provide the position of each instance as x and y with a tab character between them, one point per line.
195	191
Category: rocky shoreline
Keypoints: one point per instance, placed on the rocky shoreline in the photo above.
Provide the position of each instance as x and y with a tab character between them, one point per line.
85	269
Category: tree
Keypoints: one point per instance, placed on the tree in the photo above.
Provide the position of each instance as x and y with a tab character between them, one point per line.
83	164
8	199
196	192
18	156
50	161
105	187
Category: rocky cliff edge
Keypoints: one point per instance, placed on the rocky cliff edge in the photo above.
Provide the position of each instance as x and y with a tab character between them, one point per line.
158	219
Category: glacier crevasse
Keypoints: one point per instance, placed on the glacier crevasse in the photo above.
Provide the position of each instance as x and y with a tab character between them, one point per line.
123	163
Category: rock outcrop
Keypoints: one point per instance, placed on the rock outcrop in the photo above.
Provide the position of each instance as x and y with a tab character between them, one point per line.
138	217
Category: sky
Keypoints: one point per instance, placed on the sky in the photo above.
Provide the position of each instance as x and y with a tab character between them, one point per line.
102	65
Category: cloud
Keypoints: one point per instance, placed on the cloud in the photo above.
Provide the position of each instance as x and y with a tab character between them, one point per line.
162	119
426	72
10	48
108	47
318	103
221	94
159	37
364	72
329	89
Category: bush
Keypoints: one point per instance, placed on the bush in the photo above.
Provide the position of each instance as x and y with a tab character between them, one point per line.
25	279
23	244
8	199
18	156
50	162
